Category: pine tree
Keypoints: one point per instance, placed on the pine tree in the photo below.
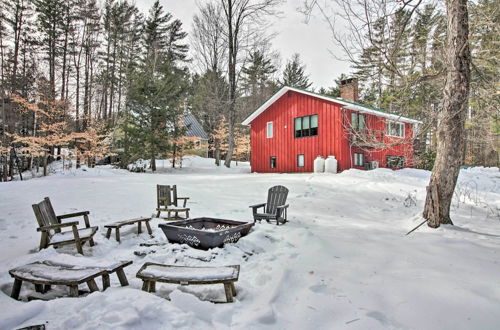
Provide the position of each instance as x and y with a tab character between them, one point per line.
156	92
257	83
50	22
294	74
257	75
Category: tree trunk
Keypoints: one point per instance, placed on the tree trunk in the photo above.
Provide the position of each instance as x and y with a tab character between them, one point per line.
153	162
45	157
232	50
217	155
451	132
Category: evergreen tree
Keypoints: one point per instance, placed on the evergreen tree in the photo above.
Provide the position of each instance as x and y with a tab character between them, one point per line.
156	92
294	74
50	23
257	83
154	102
257	75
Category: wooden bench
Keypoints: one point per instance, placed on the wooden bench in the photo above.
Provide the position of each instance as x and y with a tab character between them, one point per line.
150	273
117	225
43	274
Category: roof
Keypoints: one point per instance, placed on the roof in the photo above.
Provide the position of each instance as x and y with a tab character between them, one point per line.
345	103
194	129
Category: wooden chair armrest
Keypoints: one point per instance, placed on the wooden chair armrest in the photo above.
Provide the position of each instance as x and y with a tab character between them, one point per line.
185	200
282	206
72	215
61	225
256	206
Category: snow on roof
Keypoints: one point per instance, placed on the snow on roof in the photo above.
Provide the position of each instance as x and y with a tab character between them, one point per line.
345	103
194	128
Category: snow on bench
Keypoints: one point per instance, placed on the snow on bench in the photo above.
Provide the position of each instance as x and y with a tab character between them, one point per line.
151	273
47	273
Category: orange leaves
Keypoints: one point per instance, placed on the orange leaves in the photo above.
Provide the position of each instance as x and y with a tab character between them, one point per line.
94	143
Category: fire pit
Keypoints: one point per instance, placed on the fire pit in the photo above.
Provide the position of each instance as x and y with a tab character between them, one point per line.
205	233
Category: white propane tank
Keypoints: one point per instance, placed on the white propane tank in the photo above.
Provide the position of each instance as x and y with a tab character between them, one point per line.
319	165
331	164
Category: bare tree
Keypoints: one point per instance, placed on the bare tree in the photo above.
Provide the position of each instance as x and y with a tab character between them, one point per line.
208	40
243	18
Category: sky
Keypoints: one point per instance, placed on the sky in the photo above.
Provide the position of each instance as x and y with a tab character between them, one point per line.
312	40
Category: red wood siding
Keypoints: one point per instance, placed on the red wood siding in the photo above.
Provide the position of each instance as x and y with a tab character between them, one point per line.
332	138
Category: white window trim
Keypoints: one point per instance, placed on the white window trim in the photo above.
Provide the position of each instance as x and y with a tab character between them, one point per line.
269	132
388	133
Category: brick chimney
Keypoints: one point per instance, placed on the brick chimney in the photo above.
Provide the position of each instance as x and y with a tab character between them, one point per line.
349	89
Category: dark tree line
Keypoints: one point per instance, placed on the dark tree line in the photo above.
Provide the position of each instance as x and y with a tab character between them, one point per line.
110	70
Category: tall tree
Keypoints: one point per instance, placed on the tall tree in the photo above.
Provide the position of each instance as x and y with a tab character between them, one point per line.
50	22
158	88
451	130
241	18
294	74
4	145
208	38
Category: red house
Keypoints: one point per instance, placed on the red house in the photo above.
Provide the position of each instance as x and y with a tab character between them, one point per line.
294	127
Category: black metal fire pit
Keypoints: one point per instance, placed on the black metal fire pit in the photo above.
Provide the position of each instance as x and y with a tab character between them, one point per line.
205	233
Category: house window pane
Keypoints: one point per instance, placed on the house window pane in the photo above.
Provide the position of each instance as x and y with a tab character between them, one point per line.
361	121
395	129
314	121
354	120
300	160
269	129
305	126
314	125
305	122
273	162
359	159
298	127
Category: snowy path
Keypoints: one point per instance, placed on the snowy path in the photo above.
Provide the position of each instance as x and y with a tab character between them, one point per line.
342	262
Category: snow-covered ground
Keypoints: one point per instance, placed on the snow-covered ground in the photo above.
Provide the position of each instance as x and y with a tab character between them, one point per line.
342	262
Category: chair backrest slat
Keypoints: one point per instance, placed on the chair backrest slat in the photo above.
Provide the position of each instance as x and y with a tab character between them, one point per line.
44	213
166	195
276	196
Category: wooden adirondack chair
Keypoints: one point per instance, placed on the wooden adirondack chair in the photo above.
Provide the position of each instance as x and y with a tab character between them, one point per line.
275	208
168	201
51	225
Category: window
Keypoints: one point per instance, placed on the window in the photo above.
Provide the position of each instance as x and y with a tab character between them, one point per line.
393	128
269	131
357	121
359	159
306	126
273	162
300	160
395	161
